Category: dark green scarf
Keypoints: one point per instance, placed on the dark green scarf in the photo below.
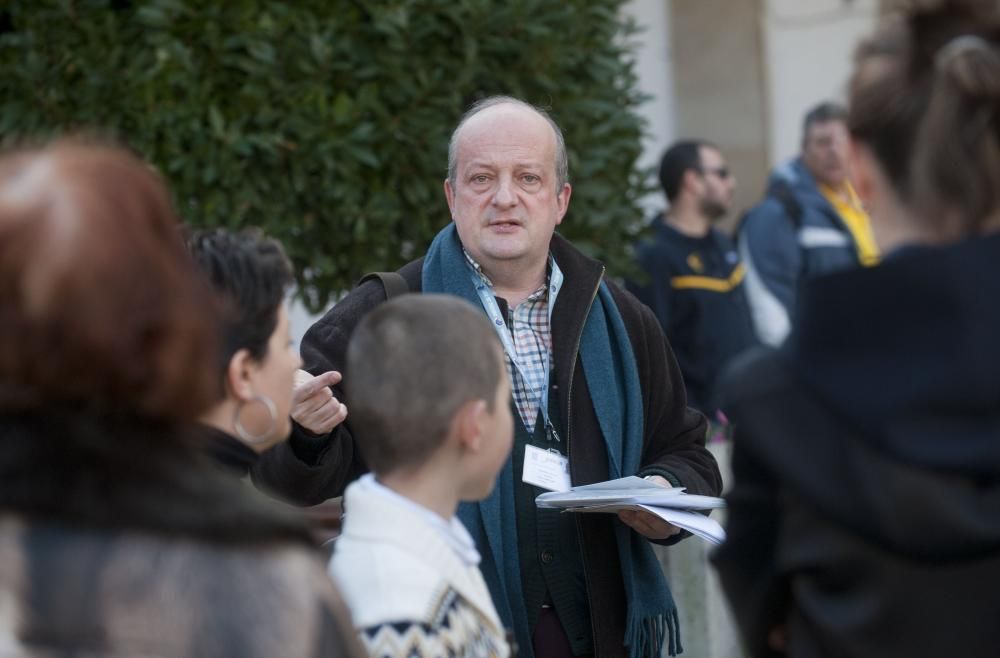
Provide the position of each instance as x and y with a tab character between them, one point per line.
606	354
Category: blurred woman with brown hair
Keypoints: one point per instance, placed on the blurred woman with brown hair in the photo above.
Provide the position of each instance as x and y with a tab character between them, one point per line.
116	537
864	515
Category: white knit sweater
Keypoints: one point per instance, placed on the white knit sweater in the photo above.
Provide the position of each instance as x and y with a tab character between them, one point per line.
409	591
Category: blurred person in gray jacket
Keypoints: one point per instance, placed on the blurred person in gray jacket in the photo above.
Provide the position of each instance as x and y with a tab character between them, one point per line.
118	537
810	222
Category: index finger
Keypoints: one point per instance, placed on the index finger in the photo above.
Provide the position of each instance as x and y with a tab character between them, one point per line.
307	388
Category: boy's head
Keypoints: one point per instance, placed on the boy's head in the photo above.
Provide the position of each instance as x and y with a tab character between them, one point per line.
425	376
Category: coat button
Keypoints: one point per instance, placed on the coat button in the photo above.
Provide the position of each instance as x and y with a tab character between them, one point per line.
547	557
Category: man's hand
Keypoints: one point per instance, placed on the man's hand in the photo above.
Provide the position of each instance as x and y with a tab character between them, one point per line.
646	523
313	404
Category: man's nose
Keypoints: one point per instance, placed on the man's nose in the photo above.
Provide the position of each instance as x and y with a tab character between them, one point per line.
505	195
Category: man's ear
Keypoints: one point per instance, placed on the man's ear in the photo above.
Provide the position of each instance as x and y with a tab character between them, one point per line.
692	182
237	375
562	202
470	424
449	195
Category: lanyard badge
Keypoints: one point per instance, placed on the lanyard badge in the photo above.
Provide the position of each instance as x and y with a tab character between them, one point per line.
500	326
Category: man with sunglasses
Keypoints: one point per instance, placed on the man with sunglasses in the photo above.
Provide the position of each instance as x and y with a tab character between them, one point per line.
693	277
810	222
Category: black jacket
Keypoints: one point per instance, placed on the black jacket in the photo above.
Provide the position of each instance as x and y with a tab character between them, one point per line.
674	435
227	452
695	289
865	515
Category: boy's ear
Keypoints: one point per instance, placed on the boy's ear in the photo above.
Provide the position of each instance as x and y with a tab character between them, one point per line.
470	424
237	375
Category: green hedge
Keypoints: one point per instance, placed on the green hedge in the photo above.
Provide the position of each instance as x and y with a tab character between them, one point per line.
326	122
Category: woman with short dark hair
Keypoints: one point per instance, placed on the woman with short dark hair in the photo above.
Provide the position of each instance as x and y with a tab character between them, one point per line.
864	515
249	274
117	538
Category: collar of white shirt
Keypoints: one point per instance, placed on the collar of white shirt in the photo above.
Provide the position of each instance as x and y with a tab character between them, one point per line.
451	530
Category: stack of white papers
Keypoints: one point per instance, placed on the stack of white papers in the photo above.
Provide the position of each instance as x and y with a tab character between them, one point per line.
634	493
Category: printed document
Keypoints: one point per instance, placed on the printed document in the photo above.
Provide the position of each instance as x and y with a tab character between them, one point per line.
671	504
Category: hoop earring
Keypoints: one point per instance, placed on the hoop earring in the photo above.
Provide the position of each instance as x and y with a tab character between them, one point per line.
242	431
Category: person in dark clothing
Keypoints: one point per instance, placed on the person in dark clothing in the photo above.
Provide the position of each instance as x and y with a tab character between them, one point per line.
594	385
248	274
117	536
694	279
862	521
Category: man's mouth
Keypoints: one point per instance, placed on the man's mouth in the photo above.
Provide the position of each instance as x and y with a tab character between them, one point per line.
504	225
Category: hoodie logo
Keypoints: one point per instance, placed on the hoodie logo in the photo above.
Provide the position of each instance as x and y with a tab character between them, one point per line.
695	263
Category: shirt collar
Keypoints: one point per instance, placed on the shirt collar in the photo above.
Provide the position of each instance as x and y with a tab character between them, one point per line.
451	530
849	198
542	290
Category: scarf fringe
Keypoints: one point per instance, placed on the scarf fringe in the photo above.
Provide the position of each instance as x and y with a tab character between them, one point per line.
645	637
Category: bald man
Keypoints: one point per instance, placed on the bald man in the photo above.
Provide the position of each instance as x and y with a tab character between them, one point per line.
596	390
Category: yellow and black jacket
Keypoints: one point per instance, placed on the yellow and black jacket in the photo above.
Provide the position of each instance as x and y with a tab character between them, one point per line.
695	288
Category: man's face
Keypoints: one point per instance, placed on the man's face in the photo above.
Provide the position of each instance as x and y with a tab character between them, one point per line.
505	201
718	183
825	152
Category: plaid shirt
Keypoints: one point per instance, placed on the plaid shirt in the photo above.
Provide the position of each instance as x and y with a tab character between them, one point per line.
529	327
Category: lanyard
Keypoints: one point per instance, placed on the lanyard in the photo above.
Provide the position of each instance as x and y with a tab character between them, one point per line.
500	326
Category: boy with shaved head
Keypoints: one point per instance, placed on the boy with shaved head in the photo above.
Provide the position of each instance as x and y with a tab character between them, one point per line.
429	400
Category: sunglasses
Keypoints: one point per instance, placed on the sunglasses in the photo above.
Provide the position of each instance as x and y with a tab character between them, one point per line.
722	172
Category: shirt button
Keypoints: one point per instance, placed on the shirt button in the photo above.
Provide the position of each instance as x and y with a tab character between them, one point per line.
547	557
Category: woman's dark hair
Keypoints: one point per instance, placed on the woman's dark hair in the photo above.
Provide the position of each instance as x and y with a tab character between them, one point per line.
250	274
925	97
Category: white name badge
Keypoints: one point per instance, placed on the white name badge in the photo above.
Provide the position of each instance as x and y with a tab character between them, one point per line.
546	469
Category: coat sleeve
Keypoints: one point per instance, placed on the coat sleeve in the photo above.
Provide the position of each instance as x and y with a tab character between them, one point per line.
769	249
308	469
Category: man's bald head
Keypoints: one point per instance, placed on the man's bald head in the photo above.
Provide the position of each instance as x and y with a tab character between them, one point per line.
561	160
